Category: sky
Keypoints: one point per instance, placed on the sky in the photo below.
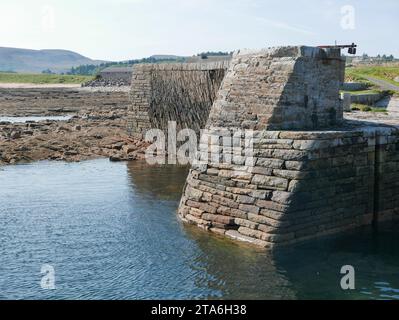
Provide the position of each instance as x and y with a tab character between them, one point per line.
130	29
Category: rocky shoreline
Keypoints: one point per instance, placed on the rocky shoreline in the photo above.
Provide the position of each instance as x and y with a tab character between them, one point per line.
96	129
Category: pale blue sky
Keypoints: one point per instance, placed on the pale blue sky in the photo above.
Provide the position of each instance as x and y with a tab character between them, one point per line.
126	29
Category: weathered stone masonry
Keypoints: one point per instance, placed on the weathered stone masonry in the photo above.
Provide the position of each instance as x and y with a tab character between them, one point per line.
181	92
281	89
302	184
313	173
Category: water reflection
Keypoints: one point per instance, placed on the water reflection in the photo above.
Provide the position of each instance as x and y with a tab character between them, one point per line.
227	269
316	272
241	271
161	181
306	271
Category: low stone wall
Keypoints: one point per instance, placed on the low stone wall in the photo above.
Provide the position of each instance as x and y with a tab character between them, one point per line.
368	99
354	86
301	185
173	92
115	74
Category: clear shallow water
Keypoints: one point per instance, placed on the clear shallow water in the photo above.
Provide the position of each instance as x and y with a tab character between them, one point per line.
34	119
111	232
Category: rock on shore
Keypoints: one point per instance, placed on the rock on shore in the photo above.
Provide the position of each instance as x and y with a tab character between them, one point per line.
91	133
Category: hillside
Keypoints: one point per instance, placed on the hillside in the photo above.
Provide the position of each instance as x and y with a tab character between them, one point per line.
35	61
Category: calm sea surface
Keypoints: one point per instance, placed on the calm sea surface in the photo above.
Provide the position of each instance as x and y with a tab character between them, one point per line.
110	231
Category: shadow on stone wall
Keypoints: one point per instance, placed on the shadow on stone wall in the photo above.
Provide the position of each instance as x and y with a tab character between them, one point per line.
183	93
310	98
288	88
185	97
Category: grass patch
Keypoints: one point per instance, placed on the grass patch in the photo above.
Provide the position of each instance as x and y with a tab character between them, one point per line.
359	74
43	78
367	108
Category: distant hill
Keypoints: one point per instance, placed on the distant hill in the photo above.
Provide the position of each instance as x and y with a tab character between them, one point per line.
36	61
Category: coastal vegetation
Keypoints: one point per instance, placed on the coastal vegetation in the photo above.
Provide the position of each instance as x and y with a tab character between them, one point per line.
43	78
360	74
367	108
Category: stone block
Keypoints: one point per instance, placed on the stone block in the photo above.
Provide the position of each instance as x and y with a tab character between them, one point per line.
249	208
246	223
270	163
235	235
225	220
245	200
269	182
254	233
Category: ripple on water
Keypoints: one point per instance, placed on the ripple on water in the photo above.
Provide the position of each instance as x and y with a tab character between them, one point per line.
111	232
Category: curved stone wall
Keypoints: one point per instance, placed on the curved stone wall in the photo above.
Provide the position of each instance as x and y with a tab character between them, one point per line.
301	185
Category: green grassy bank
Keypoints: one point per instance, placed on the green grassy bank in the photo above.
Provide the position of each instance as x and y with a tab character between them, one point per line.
42	78
359	74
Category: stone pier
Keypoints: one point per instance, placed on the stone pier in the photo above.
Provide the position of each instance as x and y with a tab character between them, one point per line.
311	172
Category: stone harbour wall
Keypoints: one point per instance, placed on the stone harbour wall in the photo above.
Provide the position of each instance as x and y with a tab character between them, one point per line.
181	92
311	173
386	178
122	75
301	185
368	98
